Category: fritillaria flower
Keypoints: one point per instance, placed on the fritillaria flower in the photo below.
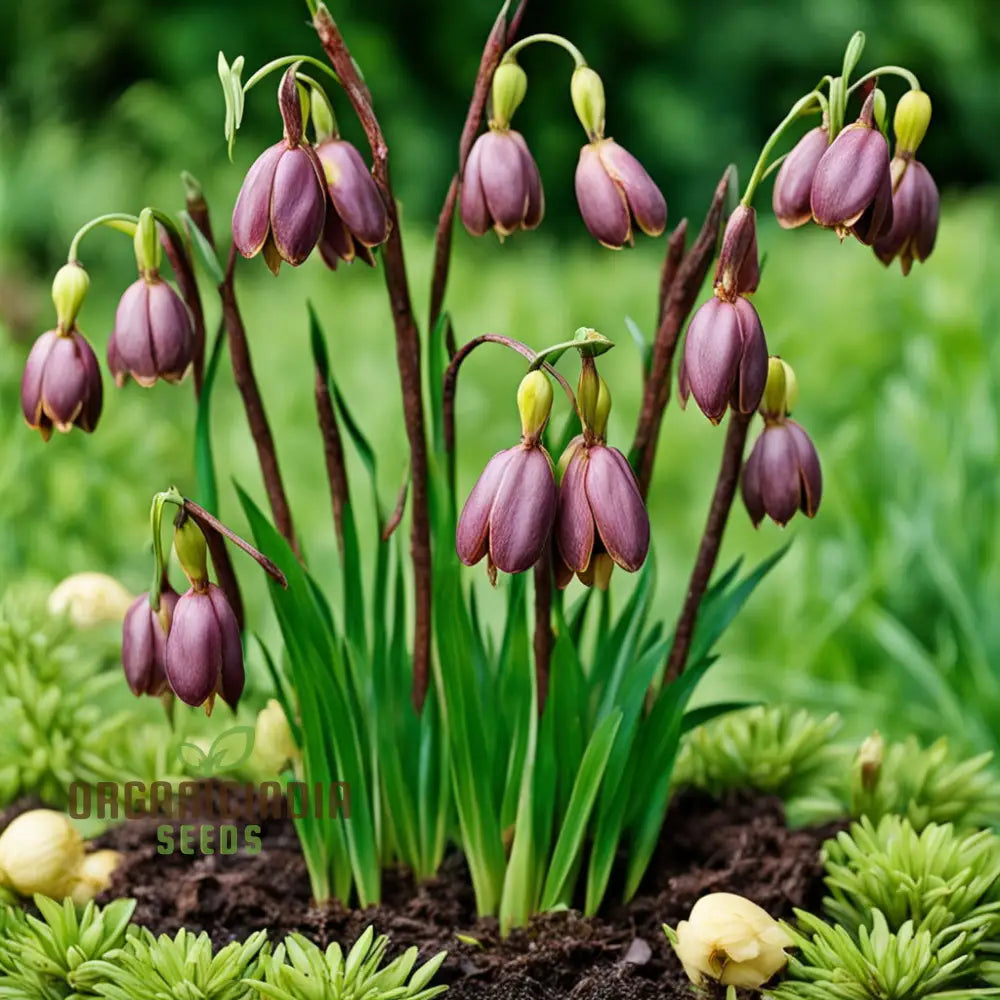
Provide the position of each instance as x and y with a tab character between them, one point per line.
614	191
356	219
509	514
204	653
281	207
501	187
852	186
782	474
61	385
144	643
791	197
153	336
916	206
601	514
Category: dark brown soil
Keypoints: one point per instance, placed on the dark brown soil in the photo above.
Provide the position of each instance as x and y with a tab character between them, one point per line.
739	845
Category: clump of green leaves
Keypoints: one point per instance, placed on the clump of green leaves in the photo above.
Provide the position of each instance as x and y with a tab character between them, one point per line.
926	785
299	970
59	955
938	878
182	968
778	751
880	964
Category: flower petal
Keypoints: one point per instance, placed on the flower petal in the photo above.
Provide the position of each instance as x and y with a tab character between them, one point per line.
602	202
617	506
574	520
472	533
523	511
252	211
194	649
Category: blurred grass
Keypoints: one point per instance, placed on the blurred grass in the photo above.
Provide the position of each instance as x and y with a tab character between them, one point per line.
882	609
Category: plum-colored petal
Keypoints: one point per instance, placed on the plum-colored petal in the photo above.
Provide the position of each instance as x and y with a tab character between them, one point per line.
849	175
779	473
793	185
472	203
916	207
64	383
713	350
753	498
523	511
94	395
472	533
753	359
31	379
536	196
645	200
298	205
194	649
171	332
574	519
619	513
335	244
252	211
143	647
353	191
505	182
738	270
810	473
133	339
233	671
602	202
876	220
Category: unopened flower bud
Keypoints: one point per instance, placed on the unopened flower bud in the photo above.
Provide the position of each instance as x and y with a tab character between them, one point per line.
144	643
910	122
869	761
602	409
738	270
879	109
730	940
916	207
148	252
782	474
90	599
40	852
588	389
61	384
510	84
69	289
190	547
94	875
273	746
501	186
792	186
587	92
534	403
780	391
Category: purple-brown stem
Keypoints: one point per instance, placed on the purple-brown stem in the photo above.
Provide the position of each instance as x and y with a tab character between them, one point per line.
500	37
333	453
543	626
397	512
688	276
253	404
671	261
407	346
711	541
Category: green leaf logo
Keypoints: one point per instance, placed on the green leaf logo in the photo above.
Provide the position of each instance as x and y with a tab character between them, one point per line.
231	748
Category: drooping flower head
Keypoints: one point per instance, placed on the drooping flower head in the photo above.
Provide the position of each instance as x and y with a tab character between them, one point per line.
509	513
144	643
791	197
281	207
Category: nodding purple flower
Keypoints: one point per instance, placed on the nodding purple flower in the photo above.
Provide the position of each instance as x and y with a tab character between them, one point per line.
782	474
61	385
601	513
204	654
791	197
509	514
852	187
281	207
356	219
144	643
613	190
501	186
916	206
725	358
153	336
738	270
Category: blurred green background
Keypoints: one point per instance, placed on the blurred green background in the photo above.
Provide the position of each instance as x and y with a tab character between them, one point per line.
884	606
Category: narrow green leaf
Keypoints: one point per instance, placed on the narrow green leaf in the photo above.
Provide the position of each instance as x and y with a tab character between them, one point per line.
204	461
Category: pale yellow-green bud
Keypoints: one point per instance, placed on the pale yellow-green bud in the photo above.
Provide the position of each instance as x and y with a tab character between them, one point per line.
869	761
587	91
534	403
94	875
190	547
324	124
273	746
880	109
148	252
69	289
90	599
913	116
602	408
40	852
510	84
730	940
588	388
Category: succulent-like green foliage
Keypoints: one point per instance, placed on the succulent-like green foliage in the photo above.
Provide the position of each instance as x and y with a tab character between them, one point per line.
927	785
60	954
299	970
879	965
778	751
938	878
182	968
